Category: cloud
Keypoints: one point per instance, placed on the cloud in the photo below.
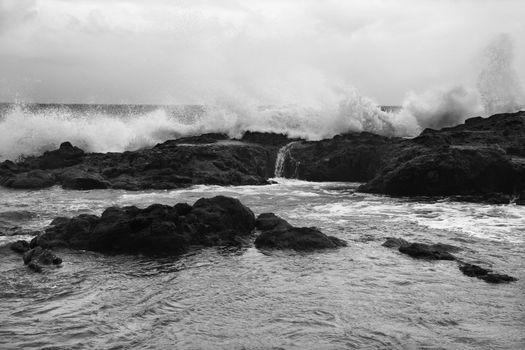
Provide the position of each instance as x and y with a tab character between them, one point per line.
284	51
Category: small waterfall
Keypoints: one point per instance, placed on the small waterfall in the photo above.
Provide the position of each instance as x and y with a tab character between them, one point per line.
282	155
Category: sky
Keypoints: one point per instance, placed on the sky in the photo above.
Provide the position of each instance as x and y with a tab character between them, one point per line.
271	52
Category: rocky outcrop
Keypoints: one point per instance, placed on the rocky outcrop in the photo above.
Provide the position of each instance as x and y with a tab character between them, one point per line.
426	251
156	229
481	160
486	275
441	251
353	157
279	234
205	159
38	257
20	246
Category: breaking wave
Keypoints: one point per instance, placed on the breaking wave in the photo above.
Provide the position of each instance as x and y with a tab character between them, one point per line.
32	129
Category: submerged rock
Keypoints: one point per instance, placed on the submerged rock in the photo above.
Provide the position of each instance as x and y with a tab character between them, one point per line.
20	246
39	256
394	242
279	234
487	275
426	251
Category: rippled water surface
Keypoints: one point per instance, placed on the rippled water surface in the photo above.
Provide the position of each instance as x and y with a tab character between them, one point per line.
363	296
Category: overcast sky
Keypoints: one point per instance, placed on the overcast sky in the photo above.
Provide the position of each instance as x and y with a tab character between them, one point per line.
285	51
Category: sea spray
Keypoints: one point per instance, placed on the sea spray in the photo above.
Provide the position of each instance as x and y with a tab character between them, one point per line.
336	110
498	81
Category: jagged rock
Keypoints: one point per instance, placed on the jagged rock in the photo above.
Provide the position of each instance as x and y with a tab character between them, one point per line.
76	179
482	160
279	234
354	157
66	155
205	159
394	242
266	138
270	221
39	256
20	246
156	229
34	179
426	251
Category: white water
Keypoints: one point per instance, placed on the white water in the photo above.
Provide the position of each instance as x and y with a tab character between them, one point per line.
335	110
282	155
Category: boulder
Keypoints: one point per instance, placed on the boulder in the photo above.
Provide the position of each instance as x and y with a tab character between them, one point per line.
279	234
394	242
426	251
270	221
76	179
156	229
219	220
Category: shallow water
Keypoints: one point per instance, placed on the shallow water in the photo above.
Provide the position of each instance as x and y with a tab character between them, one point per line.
362	296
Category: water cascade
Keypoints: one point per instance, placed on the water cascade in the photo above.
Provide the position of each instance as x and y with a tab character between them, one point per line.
282	155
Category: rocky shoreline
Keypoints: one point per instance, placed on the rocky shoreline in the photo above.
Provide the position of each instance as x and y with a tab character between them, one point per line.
210	222
172	230
482	160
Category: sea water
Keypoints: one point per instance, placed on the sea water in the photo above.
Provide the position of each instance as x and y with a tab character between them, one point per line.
363	296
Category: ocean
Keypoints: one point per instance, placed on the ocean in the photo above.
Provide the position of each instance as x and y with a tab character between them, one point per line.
364	296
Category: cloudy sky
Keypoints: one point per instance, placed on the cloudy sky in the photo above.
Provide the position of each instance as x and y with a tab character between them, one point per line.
272	51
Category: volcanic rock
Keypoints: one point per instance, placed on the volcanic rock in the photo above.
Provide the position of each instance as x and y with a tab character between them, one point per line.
279	234
39	256
487	275
156	229
426	251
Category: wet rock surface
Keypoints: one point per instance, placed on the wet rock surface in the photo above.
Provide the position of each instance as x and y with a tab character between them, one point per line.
352	157
486	275
36	258
279	234
482	160
441	251
157	229
426	251
205	159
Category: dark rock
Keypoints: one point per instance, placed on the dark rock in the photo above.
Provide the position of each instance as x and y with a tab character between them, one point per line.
473	270
482	160
204	159
34	179
487	275
156	229
266	138
279	234
219	220
498	278
426	251
270	221
76	179
354	157
20	246
67	155
297	238
39	256
394	242
202	139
